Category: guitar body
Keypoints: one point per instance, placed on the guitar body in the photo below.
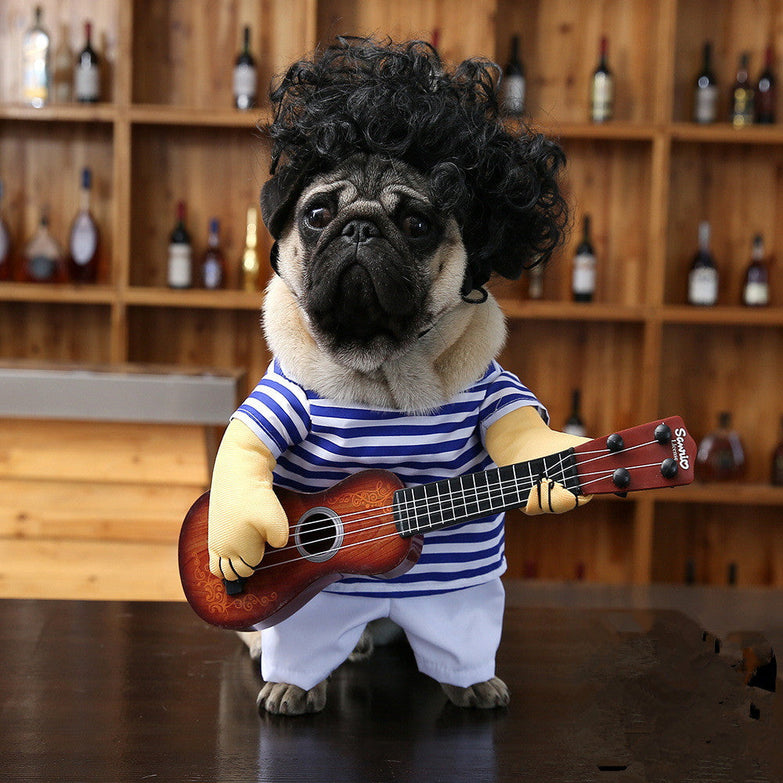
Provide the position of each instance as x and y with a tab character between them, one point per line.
347	529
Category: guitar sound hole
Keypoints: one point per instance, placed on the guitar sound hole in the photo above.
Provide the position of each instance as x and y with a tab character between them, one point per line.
319	534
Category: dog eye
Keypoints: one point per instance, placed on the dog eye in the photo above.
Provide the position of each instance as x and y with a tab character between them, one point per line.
414	225
318	217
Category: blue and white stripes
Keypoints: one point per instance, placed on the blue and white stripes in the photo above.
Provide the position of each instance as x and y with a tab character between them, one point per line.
318	442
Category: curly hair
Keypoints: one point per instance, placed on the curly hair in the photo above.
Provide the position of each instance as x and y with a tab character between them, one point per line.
397	101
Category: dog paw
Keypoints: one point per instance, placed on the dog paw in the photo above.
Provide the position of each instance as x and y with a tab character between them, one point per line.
364	647
253	641
280	698
484	695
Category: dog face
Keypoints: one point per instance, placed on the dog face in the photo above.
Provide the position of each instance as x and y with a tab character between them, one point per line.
371	260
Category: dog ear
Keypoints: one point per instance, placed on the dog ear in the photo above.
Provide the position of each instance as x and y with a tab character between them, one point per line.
278	196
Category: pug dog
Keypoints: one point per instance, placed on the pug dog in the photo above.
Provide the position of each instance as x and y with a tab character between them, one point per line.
396	193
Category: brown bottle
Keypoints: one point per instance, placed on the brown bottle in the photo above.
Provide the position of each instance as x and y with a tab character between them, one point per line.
777	461
721	455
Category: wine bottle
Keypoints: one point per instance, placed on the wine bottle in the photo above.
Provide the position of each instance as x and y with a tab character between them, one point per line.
213	268
62	68
512	86
721	455
602	87
703	275
251	267
180	263
755	289
583	278
766	91
245	76
83	243
741	105
5	244
44	261
705	96
777	461
87	73
35	63
574	424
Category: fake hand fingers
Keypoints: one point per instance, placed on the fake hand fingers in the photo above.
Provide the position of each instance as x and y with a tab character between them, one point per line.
549	497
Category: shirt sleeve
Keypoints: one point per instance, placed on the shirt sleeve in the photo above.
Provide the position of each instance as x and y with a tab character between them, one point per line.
505	393
277	411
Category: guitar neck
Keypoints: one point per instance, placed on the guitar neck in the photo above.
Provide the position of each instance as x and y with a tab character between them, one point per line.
649	456
475	495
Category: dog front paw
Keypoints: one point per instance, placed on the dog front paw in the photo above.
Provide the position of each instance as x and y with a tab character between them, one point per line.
280	698
484	695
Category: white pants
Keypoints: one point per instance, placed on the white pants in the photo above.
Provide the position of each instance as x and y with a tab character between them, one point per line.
454	635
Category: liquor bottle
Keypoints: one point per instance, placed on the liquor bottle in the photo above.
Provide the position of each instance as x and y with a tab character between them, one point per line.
766	91
245	77
705	95
741	103
777	461
703	275
35	63
87	73
755	289
602	87
43	258
574	424
180	263
251	267
583	278
213	268
62	69
5	244
721	455
83	242
512	86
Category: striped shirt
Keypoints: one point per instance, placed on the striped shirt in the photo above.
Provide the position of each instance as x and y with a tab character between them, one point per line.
317	442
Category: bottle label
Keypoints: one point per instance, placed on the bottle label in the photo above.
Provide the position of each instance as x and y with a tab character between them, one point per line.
87	83
514	94
703	286
705	108
212	274
583	281
41	268
756	294
601	97
35	76
245	81
84	240
180	265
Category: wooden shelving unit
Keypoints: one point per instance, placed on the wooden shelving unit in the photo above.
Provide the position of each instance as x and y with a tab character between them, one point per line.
168	132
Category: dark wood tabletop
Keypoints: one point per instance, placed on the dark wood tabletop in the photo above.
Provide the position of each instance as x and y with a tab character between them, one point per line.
112	691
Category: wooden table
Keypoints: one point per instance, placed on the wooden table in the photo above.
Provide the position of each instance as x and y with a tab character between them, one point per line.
98	691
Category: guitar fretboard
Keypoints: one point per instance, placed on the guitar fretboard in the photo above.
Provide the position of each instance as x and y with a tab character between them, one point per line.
476	495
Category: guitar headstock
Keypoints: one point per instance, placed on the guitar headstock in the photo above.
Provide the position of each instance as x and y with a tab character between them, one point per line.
658	454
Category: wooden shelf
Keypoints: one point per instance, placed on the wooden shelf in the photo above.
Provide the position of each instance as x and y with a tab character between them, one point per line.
168	132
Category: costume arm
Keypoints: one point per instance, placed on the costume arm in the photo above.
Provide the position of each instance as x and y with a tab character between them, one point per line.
244	513
521	436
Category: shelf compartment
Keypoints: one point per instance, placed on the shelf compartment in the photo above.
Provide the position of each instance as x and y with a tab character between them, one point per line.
739	190
55	331
603	359
218	172
198	337
709	540
705	370
180	70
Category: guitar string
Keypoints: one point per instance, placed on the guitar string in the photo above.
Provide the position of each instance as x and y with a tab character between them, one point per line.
393	534
485	492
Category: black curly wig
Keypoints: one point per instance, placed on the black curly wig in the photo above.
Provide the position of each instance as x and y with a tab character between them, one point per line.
397	101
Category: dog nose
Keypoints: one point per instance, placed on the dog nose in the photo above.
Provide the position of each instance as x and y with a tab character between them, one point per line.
360	230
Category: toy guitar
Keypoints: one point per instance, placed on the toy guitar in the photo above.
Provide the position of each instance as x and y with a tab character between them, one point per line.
371	524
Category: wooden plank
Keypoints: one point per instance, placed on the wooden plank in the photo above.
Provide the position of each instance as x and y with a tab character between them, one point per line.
103	452
89	570
57	510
